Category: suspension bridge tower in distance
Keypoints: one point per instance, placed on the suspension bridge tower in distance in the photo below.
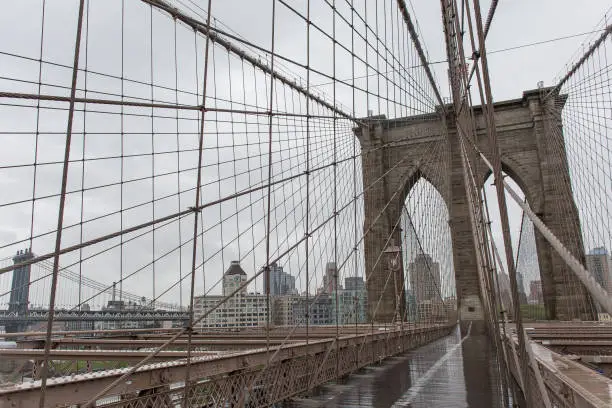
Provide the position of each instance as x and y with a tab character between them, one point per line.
397	153
20	289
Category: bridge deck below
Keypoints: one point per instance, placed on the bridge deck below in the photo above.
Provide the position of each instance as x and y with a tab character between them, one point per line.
450	372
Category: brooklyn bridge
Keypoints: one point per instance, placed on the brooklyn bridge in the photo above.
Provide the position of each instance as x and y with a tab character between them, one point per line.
290	203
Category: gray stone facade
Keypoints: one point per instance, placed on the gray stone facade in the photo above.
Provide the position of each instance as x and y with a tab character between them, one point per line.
530	155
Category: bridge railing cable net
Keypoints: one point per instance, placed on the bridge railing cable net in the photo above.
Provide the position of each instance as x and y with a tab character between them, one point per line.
562	223
202	190
578	118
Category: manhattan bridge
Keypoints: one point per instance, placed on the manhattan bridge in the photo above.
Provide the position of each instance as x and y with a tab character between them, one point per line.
289	203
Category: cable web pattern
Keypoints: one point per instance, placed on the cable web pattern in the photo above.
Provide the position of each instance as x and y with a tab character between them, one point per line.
211	203
580	117
177	175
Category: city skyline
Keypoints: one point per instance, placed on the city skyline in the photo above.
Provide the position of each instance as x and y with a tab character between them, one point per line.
598	263
248	309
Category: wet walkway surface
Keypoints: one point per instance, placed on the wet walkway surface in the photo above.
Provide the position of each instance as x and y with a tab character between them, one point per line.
450	372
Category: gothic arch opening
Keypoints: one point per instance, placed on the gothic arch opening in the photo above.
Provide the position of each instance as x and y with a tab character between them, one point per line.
427	251
524	252
532	259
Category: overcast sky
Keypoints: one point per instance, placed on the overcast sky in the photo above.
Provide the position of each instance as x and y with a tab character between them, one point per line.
236	155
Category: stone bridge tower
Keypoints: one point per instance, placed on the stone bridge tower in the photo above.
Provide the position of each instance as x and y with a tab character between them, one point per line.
393	152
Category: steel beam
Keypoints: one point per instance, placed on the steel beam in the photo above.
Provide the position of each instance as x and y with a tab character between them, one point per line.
569	383
76	389
96	355
132	344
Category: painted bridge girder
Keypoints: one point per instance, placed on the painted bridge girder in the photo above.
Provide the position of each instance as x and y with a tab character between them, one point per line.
223	378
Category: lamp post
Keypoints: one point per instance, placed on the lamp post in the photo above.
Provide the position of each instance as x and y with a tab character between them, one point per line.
393	261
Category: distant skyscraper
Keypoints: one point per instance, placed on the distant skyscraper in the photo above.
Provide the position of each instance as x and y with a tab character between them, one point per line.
535	292
351	306
329	279
424	278
411	305
506	293
351	301
521	288
598	263
354	283
281	282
